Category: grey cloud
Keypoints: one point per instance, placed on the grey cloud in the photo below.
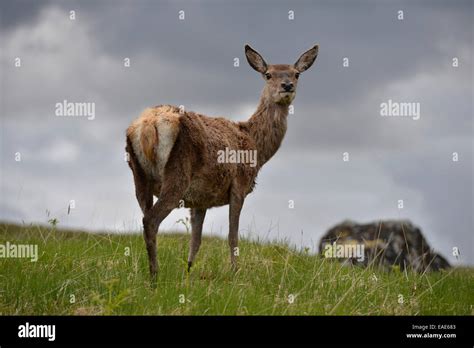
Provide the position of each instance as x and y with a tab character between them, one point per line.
19	12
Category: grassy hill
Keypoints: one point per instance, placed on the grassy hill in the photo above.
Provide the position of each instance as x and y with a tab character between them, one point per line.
80	273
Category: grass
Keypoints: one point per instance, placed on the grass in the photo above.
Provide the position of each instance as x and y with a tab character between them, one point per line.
80	273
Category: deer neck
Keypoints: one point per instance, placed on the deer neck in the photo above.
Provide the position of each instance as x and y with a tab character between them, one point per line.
267	126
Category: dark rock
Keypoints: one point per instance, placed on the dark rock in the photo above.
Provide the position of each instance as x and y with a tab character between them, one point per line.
384	243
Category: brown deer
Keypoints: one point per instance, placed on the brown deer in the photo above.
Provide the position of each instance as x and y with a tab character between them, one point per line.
174	153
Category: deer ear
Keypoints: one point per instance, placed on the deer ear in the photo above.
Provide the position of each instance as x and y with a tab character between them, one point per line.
307	59
255	59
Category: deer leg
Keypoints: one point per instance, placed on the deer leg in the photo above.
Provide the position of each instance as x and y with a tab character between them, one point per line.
149	235
143	186
171	192
144	195
197	220
235	207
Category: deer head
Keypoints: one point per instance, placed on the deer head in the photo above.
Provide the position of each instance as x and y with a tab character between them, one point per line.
281	79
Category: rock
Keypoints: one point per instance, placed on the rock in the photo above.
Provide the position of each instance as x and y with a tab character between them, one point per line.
384	243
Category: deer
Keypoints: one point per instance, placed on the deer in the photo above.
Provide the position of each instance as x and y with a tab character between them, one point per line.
173	154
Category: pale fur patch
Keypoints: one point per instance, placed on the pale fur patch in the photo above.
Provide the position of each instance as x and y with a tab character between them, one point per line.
166	121
168	128
146	165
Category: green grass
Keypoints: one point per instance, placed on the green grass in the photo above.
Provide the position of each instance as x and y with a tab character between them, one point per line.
93	270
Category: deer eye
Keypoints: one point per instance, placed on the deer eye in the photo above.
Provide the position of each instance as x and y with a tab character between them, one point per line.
268	76
297	75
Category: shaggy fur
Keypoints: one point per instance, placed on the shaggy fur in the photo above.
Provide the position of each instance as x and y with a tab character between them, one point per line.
173	155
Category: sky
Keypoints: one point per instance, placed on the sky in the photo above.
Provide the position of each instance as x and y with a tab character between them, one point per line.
47	161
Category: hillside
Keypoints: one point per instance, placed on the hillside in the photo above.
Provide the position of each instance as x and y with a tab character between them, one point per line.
79	273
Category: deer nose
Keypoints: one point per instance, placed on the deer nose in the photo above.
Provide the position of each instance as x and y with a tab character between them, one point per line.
287	86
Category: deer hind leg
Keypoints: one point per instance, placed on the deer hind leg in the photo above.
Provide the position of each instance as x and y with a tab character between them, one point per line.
143	186
173	187
197	220
235	207
169	198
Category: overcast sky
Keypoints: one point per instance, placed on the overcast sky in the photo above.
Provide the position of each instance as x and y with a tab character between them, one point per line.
191	62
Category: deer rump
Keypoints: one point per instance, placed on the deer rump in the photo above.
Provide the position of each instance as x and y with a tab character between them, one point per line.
165	144
152	137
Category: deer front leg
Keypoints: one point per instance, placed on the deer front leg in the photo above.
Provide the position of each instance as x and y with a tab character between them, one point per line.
197	220
235	207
